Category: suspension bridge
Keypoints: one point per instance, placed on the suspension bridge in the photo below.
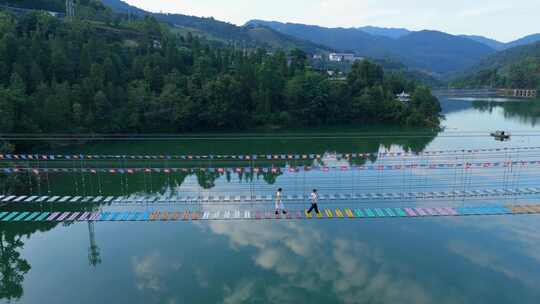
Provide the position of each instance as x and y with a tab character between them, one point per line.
488	92
354	185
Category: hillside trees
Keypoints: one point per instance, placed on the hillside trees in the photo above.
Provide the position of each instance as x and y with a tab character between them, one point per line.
73	77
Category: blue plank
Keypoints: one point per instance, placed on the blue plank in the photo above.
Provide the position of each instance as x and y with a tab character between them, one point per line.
369	212
134	216
462	211
145	216
480	211
21	216
400	212
104	216
505	210
390	212
124	216
42	217
115	215
32	216
379	212
486	211
2	214
359	213
494	210
10	216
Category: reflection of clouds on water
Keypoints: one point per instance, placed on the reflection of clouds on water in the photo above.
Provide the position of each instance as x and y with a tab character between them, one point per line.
522	249
151	269
307	257
240	293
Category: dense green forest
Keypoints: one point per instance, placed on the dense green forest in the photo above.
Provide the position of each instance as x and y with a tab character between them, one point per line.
49	5
514	68
59	76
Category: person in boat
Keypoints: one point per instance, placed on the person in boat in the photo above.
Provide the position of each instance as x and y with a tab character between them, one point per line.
314	198
279	202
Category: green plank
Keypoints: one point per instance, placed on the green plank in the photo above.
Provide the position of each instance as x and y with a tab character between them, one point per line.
21	216
390	212
379	212
2	214
32	216
370	213
400	212
42	217
359	213
10	216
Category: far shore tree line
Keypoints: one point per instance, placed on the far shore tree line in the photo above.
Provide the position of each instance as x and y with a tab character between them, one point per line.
63	77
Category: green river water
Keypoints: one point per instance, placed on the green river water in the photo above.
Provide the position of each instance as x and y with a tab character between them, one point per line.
432	260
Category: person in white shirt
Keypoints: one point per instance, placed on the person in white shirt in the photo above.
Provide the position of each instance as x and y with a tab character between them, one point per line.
314	199
279	202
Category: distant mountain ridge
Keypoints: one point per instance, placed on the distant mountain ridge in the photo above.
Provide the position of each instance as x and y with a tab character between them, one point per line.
224	31
393	33
437	52
494	44
530	39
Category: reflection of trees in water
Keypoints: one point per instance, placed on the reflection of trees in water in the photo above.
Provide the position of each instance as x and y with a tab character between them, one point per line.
12	266
526	112
143	182
94	256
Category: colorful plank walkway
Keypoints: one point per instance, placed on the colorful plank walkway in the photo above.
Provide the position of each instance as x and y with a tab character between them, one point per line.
345	213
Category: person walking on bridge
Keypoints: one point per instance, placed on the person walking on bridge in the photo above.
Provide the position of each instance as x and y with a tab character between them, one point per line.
314	198
279	202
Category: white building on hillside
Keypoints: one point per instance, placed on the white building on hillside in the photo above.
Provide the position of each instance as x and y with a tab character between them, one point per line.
343	57
403	97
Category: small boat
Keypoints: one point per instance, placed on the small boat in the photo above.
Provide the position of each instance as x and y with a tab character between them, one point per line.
501	135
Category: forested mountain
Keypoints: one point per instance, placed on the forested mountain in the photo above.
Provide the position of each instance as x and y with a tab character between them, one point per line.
517	67
385	32
87	76
492	43
432	51
343	39
523	41
224	32
49	5
439	52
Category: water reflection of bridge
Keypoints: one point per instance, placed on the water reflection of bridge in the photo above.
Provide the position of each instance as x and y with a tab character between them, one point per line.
514	93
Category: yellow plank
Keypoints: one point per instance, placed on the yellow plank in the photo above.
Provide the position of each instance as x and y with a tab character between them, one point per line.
164	216
308	215
339	213
519	210
329	213
529	209
349	213
319	215
513	209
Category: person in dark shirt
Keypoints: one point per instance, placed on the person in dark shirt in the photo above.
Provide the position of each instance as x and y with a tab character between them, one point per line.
314	198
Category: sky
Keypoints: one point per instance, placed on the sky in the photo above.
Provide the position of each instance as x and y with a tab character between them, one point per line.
498	19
